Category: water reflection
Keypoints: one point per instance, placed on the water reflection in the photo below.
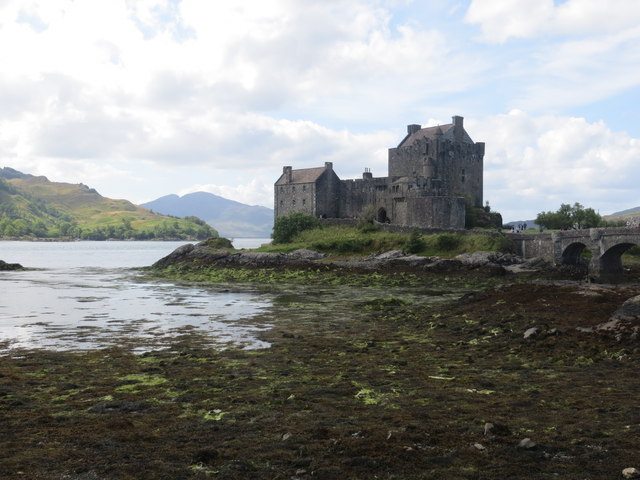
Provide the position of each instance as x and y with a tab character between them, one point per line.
80	300
95	307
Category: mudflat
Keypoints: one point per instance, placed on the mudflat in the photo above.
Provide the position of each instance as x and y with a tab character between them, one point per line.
512	381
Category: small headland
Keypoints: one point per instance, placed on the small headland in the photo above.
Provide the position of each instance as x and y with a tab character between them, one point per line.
4	266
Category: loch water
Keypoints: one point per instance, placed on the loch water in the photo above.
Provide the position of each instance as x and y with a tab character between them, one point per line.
88	295
83	295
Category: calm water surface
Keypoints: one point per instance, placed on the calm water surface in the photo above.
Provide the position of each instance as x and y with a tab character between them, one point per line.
87	295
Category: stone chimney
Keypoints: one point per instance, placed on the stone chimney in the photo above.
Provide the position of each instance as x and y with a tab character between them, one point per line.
458	126
411	129
367	175
286	171
328	165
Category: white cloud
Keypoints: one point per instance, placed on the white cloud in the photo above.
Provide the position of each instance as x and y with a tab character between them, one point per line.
500	20
580	72
147	92
534	164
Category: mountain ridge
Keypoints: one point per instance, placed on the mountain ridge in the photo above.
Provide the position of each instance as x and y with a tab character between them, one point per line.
229	217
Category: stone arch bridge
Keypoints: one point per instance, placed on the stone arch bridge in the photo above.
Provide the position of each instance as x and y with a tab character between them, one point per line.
565	248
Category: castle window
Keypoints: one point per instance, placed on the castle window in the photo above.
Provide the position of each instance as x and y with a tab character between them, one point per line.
462	175
304	201
304	188
293	202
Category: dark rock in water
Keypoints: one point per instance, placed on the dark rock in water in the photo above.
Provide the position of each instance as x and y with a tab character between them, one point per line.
10	266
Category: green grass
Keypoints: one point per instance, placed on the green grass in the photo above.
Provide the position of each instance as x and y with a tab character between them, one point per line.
352	241
631	256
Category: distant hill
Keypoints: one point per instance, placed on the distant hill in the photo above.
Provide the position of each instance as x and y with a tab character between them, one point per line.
231	219
624	215
635	210
35	207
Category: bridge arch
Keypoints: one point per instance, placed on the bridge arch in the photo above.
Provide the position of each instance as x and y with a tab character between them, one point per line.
610	262
607	245
572	254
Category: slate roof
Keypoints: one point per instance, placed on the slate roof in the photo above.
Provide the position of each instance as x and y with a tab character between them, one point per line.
431	133
302	175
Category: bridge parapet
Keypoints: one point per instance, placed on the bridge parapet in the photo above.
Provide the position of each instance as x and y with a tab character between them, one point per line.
565	247
530	245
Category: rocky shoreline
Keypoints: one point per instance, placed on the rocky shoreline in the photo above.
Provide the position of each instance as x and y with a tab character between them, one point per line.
493	263
623	325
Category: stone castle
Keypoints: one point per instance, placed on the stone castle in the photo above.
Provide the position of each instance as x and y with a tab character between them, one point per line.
431	172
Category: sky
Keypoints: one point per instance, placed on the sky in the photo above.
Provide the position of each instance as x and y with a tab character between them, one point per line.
144	98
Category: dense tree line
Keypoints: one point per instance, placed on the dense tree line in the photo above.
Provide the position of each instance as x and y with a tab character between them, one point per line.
188	228
571	217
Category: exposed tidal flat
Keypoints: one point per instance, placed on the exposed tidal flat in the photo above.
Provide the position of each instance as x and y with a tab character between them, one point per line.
389	373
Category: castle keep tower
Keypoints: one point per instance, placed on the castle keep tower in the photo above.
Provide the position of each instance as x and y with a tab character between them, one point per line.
431	172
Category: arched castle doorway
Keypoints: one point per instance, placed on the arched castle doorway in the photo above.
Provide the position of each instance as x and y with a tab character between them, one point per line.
382	216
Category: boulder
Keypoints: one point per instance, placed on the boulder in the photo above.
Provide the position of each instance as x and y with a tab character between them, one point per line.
389	255
527	444
624	324
305	254
481	259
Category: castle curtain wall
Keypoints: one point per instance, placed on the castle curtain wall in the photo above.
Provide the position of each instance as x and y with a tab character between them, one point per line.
355	195
435	212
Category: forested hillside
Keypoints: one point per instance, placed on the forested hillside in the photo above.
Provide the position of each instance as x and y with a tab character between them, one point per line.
34	207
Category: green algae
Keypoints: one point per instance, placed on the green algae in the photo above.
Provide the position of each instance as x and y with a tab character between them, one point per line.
394	391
